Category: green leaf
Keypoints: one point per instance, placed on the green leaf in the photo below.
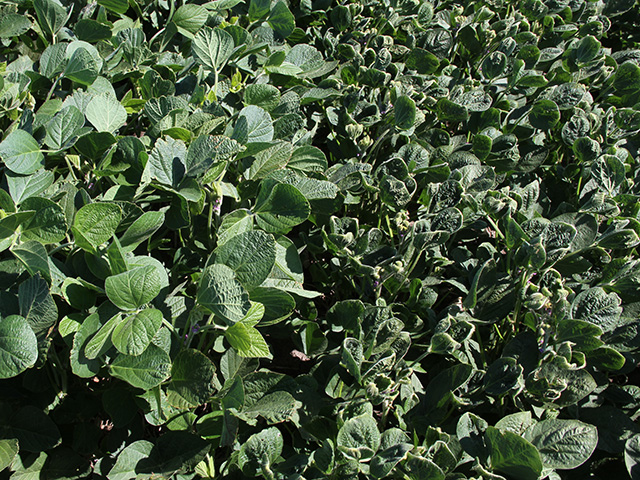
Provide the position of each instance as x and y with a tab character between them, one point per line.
8	448
281	20
597	307
251	255
174	452
21	153
22	187
100	343
128	459
18	346
12	25
190	18
166	163
260	451
82	67
253	125
263	95
247	341
422	61
385	461
404	112
48	225
221	293
278	305
212	47
96	223
37	305
91	31
359	437
34	257
512	455
141	229
144	371
64	128
281	209
627	78
258	9
584	335
51	16
134	334
308	158
81	365
544	114
192	379
502	376
132	289
116	6
606	358
563	444
352	356
449	111
105	113
269	160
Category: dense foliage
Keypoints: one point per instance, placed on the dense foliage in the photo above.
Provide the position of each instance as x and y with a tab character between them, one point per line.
310	240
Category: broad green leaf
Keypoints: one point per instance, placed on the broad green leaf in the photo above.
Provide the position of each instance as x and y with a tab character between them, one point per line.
22	187
144	371
116	6
494	65
221	293
132	289
544	114
513	455
89	30
278	305
385	461
247	341
606	358
100	343
627	78
449	111
34	429
106	113
263	95
48	224
254	124
420	468
251	255
190	18
12	25
34	257
37	305
82	67
212	47
21	153
281	209
503	375
141	229
134	334
18	346
281	20
422	61
51	16
269	160
128	459
81	365
308	158
97	222
404	112
258	9
583	335
192	379
260	450
563	444
63	129
359	437
206	150
174	452
352	356
166	163
8	447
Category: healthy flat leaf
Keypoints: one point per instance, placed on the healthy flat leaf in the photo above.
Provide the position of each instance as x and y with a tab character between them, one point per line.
269	160
34	257
132	289
116	6
144	371
308	158
563	444
48	224
513	455
220	292
258	9
627	78
190	18
251	255
422	61
128	459
212	47
97	222
12	25
247	341
260	450
81	365
8	451
21	153
105	113
51	16
385	461
63	128
141	229
37	305
263	95
282	209
278	305
22	187
281	20
134	334
254	124
167	162
18	346
192	379
82	67
100	343
92	31
174	452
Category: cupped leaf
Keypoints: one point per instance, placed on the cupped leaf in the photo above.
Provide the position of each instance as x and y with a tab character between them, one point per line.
404	112
544	114
359	437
